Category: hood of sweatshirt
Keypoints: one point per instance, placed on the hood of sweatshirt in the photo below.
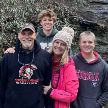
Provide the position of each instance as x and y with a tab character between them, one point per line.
98	58
42	34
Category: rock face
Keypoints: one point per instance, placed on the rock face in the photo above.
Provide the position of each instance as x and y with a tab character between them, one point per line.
97	12
99	1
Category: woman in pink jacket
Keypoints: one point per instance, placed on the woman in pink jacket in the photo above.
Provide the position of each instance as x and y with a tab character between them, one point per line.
64	84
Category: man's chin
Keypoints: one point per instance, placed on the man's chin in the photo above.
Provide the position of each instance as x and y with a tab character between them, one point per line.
27	47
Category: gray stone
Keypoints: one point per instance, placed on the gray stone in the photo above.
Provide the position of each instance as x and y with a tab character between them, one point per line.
99	1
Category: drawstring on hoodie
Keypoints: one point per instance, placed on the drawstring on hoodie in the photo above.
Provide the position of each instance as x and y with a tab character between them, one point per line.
26	63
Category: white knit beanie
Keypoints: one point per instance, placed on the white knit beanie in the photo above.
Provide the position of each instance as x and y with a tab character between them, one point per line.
65	37
69	30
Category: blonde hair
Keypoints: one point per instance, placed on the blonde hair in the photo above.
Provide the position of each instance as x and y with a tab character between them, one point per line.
89	33
65	57
48	12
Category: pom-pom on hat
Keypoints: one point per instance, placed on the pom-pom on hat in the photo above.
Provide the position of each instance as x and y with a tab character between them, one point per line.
65	36
69	30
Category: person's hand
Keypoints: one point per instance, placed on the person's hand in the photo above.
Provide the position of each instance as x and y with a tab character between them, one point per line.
10	50
46	88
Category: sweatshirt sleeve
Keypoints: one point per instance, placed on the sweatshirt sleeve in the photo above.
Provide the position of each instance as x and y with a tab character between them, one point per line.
69	94
47	73
103	99
3	80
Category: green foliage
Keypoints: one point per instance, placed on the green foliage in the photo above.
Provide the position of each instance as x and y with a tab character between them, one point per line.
16	12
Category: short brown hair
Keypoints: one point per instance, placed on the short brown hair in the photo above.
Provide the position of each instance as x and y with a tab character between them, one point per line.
47	12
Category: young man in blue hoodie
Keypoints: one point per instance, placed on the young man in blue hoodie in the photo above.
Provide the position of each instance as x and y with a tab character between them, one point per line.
92	71
24	73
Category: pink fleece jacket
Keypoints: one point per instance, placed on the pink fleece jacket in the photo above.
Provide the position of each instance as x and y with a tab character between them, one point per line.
67	88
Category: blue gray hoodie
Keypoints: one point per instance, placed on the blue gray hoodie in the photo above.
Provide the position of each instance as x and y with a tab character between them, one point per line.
93	83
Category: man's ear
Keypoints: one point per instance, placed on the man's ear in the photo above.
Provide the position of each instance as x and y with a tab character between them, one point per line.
34	35
19	35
